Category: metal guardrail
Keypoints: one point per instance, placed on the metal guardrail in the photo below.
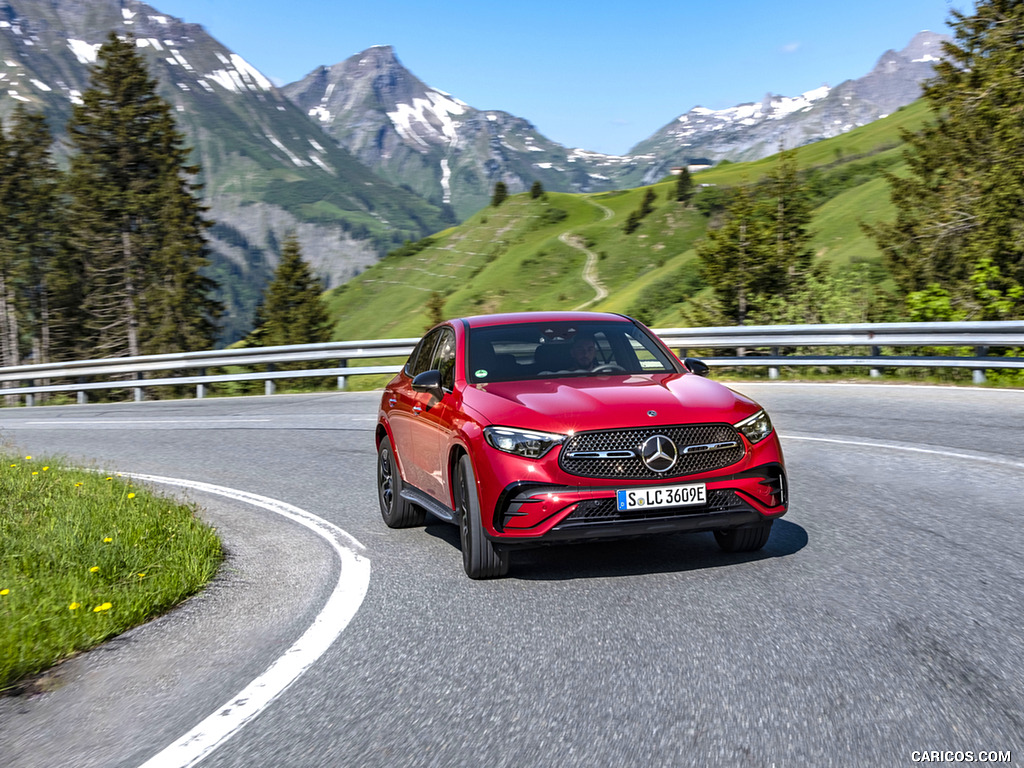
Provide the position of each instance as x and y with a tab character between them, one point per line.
81	376
874	336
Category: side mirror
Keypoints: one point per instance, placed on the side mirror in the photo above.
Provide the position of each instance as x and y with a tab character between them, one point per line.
699	367
430	382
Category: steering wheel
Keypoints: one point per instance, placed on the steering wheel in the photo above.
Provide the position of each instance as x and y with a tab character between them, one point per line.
608	368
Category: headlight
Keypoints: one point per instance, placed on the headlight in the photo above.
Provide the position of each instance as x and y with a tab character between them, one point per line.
522	442
756	427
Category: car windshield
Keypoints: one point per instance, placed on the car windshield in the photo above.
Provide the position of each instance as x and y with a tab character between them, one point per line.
553	350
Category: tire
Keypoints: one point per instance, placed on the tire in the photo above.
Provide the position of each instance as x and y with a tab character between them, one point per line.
748	538
480	558
396	511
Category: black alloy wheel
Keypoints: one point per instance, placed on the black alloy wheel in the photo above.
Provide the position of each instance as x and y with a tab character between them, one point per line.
396	511
480	558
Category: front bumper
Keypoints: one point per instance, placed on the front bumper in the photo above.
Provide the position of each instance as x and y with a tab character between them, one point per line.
532	513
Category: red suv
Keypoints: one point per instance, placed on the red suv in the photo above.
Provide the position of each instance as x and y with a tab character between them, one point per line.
539	427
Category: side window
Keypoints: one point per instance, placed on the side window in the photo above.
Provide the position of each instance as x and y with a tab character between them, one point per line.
423	355
647	356
444	358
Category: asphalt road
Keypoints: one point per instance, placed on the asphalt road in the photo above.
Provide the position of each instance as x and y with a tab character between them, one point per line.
883	618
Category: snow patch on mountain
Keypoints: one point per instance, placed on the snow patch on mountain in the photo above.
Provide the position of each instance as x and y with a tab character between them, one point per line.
321	164
588	156
770	108
446	187
431	115
86	53
239	75
321	112
280	145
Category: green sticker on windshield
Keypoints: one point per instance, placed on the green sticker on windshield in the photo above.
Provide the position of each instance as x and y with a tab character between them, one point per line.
481	374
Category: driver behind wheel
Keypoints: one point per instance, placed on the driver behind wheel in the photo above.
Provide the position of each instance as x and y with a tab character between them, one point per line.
583	352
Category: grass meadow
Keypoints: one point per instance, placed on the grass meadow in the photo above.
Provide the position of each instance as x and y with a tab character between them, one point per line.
85	556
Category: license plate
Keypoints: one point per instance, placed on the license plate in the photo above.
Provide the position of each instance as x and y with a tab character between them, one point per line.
689	495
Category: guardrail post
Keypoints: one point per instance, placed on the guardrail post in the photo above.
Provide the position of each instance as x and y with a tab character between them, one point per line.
201	388
342	379
978	374
773	373
81	397
269	386
876	372
30	400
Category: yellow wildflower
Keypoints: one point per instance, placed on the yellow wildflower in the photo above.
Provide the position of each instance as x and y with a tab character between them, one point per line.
104	607
131	495
45	469
94	569
5	591
28	458
107	540
74	606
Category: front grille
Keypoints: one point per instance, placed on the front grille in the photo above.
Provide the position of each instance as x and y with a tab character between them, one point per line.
605	510
616	453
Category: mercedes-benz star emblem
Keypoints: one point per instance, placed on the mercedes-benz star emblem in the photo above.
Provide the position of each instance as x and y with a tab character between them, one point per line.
659	453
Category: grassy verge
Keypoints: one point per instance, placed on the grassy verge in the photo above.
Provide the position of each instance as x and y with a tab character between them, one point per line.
85	556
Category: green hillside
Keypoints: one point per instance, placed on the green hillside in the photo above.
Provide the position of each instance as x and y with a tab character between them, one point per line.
531	253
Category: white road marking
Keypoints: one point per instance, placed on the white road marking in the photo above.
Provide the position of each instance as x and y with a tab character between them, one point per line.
908	448
337	612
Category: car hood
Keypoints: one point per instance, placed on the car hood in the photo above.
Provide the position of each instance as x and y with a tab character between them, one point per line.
607	402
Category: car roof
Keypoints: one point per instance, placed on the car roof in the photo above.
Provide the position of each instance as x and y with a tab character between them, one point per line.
515	318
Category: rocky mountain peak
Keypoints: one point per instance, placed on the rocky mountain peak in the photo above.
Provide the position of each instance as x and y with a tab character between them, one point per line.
925	46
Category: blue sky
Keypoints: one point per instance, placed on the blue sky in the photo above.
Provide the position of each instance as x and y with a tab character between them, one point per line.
598	75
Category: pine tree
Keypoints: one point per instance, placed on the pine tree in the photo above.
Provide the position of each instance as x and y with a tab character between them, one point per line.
762	250
8	256
684	186
435	309
647	206
175	278
135	221
292	311
959	227
791	216
30	239
536	190
500	194
733	258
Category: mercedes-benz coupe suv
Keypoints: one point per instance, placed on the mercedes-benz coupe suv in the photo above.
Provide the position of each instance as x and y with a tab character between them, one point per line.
539	427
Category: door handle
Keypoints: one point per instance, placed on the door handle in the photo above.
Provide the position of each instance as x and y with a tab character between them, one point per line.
392	401
417	409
